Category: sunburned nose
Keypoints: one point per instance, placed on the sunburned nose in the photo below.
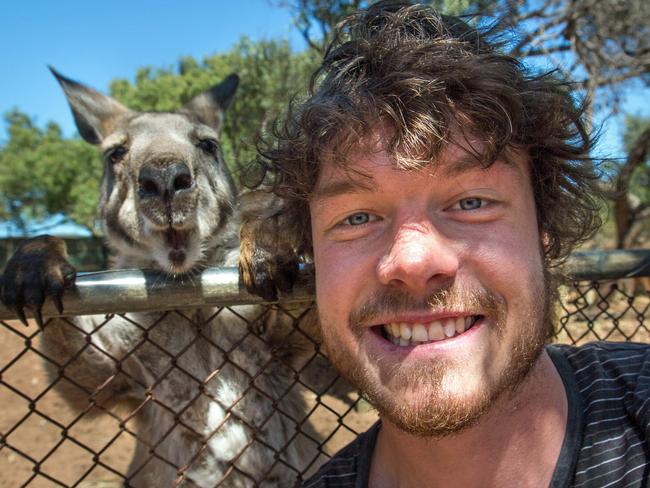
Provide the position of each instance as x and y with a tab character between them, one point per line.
418	259
164	182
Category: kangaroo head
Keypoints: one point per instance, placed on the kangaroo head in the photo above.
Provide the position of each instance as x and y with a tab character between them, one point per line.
167	198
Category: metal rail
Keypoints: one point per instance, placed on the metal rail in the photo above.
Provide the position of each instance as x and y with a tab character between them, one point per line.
121	291
608	265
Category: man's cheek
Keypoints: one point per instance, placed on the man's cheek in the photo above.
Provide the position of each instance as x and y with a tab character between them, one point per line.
508	248
330	282
336	284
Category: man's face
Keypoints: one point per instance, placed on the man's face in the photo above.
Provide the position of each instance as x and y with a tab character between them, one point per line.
430	286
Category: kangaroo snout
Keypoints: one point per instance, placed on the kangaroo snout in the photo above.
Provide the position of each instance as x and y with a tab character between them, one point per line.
164	182
168	194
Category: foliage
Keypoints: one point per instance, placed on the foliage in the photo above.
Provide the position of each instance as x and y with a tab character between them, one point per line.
43	174
315	19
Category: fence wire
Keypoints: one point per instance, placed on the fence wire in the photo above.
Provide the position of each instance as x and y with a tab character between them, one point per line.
195	383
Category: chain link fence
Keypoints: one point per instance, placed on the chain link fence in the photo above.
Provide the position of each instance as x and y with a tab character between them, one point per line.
192	382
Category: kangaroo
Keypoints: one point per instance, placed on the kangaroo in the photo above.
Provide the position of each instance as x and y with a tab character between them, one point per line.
212	397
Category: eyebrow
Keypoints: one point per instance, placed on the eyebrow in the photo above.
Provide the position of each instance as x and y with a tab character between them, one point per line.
343	187
469	162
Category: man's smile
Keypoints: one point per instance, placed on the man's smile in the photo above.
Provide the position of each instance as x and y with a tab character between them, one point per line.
402	333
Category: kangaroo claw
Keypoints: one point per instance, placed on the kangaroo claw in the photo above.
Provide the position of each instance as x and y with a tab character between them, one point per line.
58	303
21	316
38	316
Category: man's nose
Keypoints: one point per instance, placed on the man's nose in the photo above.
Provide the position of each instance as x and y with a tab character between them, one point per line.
420	258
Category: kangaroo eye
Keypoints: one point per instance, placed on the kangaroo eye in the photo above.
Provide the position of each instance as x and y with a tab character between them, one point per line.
209	145
116	155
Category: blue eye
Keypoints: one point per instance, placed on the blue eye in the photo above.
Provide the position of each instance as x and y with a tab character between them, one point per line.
358	219
470	203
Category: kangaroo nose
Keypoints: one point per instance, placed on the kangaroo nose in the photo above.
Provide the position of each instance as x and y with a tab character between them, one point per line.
167	181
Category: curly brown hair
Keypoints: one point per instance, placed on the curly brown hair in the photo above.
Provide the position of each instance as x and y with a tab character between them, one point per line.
420	74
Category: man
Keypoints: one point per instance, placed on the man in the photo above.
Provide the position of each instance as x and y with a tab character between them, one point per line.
440	184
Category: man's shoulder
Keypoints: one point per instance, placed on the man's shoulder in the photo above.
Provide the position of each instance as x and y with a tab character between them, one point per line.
608	373
604	358
350	466
608	389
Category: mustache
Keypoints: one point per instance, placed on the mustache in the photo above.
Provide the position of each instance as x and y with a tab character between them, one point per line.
451	299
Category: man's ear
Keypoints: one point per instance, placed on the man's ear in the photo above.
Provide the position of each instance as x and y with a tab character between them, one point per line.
209	107
95	114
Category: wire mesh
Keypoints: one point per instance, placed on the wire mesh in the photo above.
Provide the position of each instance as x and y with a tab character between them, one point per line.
195	395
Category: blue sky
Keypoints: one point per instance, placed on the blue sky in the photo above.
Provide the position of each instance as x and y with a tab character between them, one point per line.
95	42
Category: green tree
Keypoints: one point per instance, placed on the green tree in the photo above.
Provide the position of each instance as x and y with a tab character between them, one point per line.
43	174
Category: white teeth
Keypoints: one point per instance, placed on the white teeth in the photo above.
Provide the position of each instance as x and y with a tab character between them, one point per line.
468	322
409	334
405	331
395	328
450	328
420	333
435	331
459	325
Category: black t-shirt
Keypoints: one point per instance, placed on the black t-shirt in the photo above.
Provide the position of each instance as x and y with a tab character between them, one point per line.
608	425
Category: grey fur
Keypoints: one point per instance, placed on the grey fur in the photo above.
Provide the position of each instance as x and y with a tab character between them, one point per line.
128	361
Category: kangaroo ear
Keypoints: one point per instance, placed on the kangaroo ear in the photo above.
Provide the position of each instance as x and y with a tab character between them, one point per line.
95	114
209	107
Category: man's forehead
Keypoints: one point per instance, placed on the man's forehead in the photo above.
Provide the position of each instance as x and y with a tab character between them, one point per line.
357	174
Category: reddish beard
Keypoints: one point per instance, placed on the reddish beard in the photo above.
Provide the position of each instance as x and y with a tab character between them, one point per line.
435	414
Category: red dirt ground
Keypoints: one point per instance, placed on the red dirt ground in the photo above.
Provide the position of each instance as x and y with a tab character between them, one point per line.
34	438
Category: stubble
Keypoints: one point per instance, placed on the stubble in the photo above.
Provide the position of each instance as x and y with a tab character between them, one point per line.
431	412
